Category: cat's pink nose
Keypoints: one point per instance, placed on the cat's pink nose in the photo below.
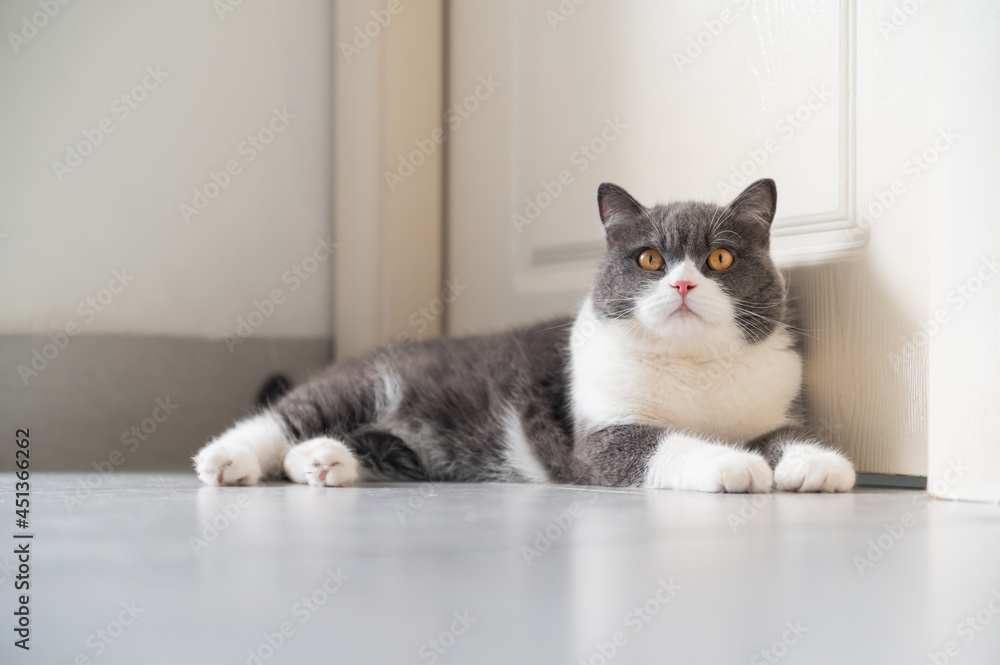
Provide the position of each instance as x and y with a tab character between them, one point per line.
683	286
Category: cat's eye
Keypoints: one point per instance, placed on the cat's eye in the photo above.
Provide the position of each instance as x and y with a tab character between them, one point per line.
720	259
651	260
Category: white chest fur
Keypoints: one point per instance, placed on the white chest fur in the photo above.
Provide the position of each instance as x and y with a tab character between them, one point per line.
734	395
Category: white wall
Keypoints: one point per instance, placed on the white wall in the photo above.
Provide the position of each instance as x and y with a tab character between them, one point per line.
965	347
223	76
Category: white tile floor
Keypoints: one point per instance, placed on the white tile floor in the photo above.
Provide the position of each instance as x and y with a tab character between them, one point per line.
501	574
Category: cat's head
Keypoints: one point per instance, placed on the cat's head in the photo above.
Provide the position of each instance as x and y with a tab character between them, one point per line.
696	275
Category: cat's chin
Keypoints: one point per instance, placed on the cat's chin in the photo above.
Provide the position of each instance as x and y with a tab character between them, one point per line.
690	335
681	325
684	312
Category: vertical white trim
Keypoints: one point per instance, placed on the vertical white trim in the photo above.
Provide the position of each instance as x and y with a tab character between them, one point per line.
962	331
387	95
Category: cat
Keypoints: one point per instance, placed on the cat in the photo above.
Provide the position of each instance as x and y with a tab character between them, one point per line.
681	370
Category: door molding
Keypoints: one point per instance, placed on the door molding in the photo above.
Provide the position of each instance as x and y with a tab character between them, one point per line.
388	78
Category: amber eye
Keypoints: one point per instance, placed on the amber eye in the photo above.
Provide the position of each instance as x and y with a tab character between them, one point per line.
720	259
650	259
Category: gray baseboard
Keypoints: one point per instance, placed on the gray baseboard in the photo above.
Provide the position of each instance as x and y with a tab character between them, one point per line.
81	407
886	480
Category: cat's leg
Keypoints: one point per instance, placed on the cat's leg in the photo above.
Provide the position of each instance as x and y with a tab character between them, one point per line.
302	436
326	418
646	456
802	464
250	451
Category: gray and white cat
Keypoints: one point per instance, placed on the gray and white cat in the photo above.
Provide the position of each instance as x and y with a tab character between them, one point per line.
680	371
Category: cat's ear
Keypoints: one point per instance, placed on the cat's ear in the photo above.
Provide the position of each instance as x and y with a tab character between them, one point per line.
613	202
757	203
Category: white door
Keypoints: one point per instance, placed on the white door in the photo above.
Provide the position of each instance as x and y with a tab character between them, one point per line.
694	100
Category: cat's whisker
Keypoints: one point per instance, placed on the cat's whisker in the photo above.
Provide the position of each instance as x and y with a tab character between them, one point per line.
556	327
777	323
717	235
776	303
645	211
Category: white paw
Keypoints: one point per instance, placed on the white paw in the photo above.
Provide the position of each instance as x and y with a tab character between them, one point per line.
809	467
322	462
688	462
221	464
243	454
736	471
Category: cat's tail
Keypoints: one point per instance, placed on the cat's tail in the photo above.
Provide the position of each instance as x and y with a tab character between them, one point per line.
272	390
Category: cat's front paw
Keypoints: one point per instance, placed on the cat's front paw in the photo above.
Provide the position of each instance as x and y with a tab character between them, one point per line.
220	464
688	462
322	462
736	471
809	467
242	455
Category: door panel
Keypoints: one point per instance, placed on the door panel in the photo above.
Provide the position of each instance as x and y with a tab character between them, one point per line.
671	101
